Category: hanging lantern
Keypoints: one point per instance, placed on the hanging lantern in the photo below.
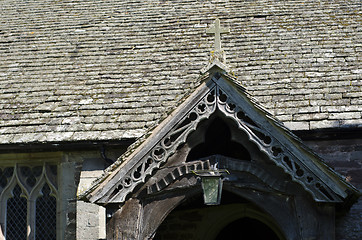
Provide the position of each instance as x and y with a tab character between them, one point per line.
211	182
212	188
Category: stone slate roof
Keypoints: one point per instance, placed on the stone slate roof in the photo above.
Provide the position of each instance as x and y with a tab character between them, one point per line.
108	70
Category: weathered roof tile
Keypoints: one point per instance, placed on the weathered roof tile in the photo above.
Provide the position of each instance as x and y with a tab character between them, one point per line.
68	68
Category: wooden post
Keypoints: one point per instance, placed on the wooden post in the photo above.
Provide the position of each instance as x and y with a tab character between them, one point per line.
124	224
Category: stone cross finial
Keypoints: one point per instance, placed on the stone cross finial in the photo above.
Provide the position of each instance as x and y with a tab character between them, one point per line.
217	30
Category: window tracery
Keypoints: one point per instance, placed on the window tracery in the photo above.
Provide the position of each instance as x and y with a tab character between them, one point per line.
28	202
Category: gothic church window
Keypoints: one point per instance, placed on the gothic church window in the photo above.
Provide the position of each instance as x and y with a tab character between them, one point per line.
16	215
46	207
28	202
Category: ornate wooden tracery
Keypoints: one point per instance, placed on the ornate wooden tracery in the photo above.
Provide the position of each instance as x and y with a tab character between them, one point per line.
163	149
218	94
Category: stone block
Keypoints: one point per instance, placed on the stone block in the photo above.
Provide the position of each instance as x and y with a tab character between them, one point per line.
356	156
91	222
284	118
345	115
308	116
324	124
340	109
351	123
297	125
312	109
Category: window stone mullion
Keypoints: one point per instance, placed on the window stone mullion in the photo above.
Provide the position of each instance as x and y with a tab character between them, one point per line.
31	217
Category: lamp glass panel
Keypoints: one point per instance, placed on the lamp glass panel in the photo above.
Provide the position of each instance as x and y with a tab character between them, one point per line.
212	190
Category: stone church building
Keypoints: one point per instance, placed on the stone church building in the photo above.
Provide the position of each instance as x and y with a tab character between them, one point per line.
197	119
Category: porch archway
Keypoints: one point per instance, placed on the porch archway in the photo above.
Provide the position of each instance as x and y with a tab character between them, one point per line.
248	229
235	218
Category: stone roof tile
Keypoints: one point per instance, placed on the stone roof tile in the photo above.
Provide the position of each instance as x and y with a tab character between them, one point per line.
82	70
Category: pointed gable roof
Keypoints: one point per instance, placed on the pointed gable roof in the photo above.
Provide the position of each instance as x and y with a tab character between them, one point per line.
220	91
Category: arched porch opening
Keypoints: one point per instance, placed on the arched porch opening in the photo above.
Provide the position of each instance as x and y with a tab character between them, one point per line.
235	218
247	228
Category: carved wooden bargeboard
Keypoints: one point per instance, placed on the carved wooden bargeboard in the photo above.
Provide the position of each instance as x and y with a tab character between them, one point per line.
277	168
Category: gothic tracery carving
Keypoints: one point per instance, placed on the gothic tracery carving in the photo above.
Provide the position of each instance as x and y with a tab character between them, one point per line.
276	152
219	99
164	148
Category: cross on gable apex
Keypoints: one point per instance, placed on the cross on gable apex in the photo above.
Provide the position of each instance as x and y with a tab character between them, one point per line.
217	30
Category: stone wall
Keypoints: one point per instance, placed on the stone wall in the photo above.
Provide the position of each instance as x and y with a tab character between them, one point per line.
91	218
345	156
91	221
67	207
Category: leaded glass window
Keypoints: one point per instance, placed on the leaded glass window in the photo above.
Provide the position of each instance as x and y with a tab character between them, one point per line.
16	212
28	202
46	206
